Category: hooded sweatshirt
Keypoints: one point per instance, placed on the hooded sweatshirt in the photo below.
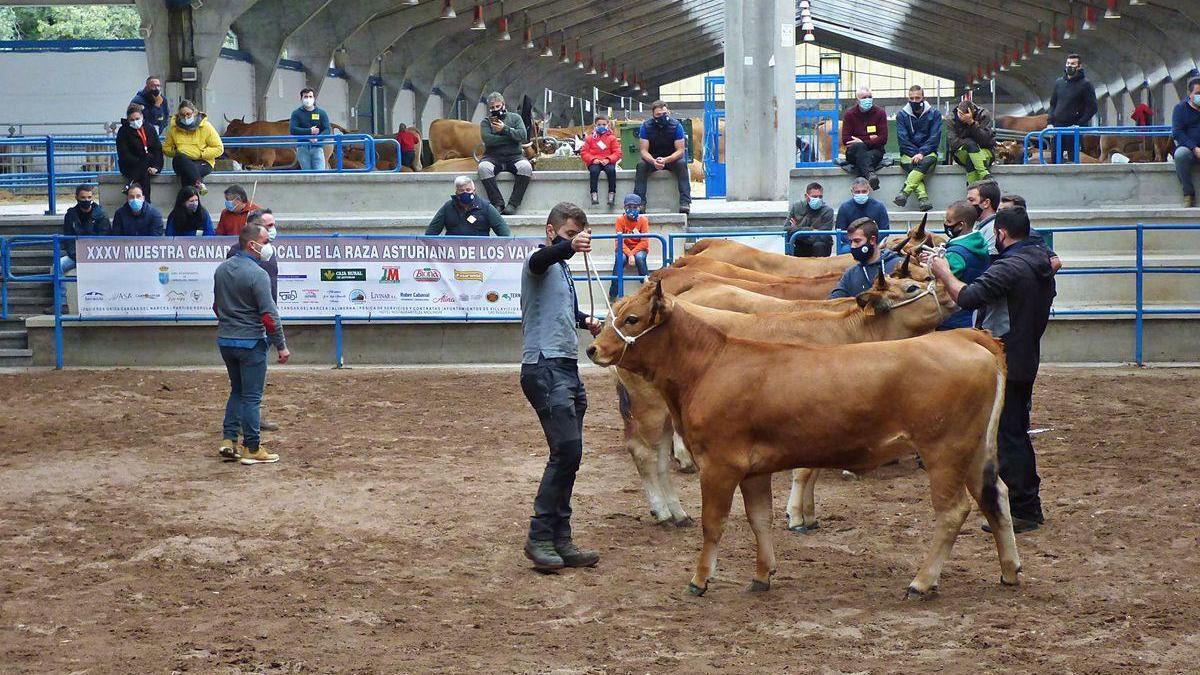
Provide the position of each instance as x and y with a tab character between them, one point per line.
919	135
1017	291
1073	102
968	258
859	277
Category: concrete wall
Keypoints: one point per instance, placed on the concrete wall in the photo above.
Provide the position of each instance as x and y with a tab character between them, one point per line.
284	95
230	92
406	108
334	97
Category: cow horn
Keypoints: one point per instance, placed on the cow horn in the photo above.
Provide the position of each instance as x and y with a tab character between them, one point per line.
904	271
881	283
227	120
920	235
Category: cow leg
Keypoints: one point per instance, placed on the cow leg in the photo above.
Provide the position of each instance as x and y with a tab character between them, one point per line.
641	414
756	495
717	484
681	454
802	507
951	506
645	458
991	494
667	487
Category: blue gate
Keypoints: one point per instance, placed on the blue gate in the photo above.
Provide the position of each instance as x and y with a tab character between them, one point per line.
814	107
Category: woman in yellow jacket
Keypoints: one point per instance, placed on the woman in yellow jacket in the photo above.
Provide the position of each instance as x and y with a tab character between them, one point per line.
193	144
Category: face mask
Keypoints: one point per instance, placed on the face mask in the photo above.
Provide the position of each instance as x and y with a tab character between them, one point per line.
601	129
271	234
558	239
916	106
861	198
1196	99
135	124
951	230
85	205
632	214
862	253
662	120
866	103
154	92
1071	71
815	203
266	252
978	210
137	204
466	198
189	121
229	205
192	206
308	102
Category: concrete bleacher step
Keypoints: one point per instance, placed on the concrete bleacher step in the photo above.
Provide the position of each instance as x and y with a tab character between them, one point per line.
522	224
16	358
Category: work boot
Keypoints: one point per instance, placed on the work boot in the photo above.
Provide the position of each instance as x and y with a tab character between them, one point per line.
1189	201
518	195
259	456
873	180
685	208
543	555
901	199
493	193
229	450
924	203
573	556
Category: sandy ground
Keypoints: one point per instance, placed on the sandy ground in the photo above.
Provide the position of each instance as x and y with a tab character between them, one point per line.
389	538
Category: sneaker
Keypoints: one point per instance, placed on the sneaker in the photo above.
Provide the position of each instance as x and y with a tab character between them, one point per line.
203	189
508	210
543	555
573	556
595	199
685	208
1189	201
259	456
229	450
873	180
901	199
925	203
612	199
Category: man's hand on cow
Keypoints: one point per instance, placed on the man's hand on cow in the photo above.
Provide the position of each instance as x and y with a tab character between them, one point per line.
582	242
937	265
593	325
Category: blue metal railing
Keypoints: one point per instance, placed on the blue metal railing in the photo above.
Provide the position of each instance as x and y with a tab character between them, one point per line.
1075	136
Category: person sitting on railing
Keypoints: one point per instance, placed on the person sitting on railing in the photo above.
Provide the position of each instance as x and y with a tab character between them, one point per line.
237	209
409	143
85	219
872	260
662	141
465	214
154	104
503	133
139	151
189	218
919	132
601	152
1073	102
860	205
865	134
137	218
194	146
971	137
309	120
811	213
1185	129
631	248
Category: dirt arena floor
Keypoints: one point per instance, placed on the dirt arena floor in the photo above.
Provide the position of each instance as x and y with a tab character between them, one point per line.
388	540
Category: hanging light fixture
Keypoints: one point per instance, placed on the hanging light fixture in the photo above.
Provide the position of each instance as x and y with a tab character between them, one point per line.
411	2
1089	17
448	9
562	54
479	23
637	84
1053	43
616	76
624	80
1136	3
1028	51
1069	29
528	35
592	62
807	25
1112	12
504	36
546	51
804	4
1016	57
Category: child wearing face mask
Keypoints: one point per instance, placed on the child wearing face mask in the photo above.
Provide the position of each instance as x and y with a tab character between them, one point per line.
601	152
193	144
631	248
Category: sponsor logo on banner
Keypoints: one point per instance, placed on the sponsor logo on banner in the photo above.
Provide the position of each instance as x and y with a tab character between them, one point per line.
289	295
357	296
311	293
149	296
427	274
164	275
493	296
382	296
468	275
445	300
94	296
176	296
391	275
343	274
511	296
334	295
463	297
196	296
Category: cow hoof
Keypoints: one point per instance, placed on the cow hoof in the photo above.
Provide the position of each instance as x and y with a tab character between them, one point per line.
686	468
757	586
696	590
685	521
805	529
914	594
1014	583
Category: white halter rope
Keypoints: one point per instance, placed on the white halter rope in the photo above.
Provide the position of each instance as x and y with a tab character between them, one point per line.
930	289
612	318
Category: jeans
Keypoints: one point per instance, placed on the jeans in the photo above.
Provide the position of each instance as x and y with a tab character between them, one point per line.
190	171
1018	465
407	157
311	156
639	259
863	159
553	388
678	167
1185	159
247	377
809	247
66	264
609	170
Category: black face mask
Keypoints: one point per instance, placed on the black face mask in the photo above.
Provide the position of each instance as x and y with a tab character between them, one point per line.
862	253
84	205
558	239
154	92
916	106
1071	71
662	120
978	210
950	230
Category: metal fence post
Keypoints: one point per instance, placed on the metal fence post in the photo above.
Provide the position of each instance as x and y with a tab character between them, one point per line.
52	189
337	340
620	268
337	144
4	277
1139	290
55	279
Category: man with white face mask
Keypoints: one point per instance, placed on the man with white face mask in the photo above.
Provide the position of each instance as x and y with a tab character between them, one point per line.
309	120
270	264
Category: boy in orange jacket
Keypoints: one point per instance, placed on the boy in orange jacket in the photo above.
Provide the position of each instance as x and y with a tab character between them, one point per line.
632	221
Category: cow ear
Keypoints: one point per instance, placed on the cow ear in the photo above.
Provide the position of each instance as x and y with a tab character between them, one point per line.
659	304
866	301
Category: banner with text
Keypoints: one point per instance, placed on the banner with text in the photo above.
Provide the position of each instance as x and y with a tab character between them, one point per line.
434	277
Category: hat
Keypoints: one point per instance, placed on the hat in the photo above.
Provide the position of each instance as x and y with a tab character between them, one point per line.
632	199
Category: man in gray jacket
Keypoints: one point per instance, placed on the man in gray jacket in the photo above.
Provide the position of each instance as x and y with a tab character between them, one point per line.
810	213
503	134
246	319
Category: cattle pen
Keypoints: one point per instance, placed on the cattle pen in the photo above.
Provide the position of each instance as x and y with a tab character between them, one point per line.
389	540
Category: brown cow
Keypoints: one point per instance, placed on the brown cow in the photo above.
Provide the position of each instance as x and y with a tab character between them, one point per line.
1022	123
741	437
748	257
711	265
455	139
281	157
816	288
465	165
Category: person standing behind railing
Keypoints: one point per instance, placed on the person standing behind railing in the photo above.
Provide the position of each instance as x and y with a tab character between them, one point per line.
85	219
139	151
194	145
189	218
309	120
154	104
1073	102
1185	129
137	218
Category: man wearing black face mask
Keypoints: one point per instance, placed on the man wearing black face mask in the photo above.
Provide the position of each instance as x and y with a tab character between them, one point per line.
1073	102
919	130
662	145
154	104
466	215
864	247
85	219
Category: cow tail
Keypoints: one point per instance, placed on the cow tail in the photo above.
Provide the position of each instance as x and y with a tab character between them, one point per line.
990	495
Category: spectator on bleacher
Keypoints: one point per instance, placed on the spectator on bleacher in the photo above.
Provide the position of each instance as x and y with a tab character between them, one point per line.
85	219
865	134
871	259
919	133
601	152
1015	293
1185	129
971	138
246	319
966	254
189	218
1073	101
309	120
139	150
662	143
410	143
237	209
503	134
810	213
154	104
466	215
631	248
138	217
193	144
1010	200
860	205
985	195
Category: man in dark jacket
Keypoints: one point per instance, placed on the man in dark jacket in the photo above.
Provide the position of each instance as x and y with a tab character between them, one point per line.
154	104
865	135
466	215
919	132
139	151
309	120
85	219
811	213
971	137
1073	102
138	217
1016	293
872	260
663	148
1185	129
503	134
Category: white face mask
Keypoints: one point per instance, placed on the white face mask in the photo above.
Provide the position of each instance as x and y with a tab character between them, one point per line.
308	102
271	234
267	251
189	120
135	124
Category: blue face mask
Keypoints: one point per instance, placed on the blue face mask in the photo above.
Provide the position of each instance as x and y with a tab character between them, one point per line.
631	214
600	130
866	103
1196	99
137	204
466	198
229	205
815	203
861	198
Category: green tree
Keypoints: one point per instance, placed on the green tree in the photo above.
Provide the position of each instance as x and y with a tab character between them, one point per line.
87	22
8	24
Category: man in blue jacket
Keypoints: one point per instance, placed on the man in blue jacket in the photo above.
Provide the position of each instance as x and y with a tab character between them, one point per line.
1185	129
919	131
872	260
85	219
154	104
309	120
860	205
137	218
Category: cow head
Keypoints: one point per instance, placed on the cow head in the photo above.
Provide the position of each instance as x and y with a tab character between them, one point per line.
235	127
630	319
907	286
918	236
1009	152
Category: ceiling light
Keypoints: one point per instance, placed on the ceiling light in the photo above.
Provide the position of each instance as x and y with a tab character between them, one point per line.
448	10
479	23
808	37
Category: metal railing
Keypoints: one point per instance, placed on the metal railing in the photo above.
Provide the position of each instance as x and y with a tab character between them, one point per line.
1075	138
